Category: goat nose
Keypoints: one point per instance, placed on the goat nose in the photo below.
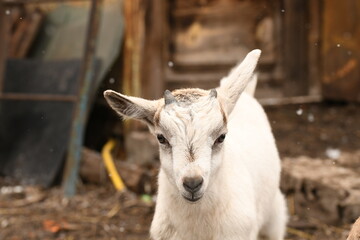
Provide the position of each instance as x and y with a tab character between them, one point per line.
193	184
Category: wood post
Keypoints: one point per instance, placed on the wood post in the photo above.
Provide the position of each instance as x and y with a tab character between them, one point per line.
295	24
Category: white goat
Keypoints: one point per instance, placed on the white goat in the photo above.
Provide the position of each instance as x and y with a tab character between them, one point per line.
212	188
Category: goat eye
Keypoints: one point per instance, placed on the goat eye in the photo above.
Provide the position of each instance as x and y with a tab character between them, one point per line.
161	139
221	138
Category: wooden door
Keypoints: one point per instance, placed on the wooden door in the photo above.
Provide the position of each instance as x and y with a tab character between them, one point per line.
341	50
206	38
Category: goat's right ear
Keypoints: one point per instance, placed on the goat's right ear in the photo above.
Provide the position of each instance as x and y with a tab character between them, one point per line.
131	107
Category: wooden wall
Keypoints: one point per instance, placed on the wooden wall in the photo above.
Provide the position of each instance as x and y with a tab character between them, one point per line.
310	48
341	50
295	27
207	38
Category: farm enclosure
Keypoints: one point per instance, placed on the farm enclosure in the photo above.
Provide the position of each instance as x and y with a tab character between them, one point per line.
308	82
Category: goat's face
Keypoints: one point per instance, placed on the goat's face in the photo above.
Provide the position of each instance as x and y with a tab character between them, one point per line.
191	129
190	125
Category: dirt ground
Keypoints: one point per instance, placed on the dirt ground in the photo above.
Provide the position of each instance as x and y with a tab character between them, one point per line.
312	129
98	212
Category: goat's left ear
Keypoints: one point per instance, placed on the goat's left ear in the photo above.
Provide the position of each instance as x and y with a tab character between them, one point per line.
235	83
132	107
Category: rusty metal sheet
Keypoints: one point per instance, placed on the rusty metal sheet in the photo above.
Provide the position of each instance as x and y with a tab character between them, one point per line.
42	77
34	134
33	139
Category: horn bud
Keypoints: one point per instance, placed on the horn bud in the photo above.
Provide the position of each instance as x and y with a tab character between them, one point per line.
213	93
169	98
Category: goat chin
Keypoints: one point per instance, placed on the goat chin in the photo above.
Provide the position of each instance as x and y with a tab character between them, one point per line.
243	200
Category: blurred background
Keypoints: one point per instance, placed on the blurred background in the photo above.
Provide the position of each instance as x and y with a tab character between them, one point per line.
71	169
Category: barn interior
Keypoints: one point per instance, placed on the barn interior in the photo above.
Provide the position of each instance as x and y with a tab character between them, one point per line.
63	150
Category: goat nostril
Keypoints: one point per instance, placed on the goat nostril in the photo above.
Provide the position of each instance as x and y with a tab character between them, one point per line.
193	184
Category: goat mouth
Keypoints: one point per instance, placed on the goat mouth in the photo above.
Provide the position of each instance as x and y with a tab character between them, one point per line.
192	198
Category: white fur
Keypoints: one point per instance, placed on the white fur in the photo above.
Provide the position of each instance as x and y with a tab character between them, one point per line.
244	197
240	196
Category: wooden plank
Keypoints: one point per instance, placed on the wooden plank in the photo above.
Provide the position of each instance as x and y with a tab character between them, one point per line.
192	67
208	84
278	71
153	62
314	47
17	36
15	14
133	46
15	2
290	100
4	41
195	76
207	38
340	50
134	13
295	20
219	9
37	97
35	20
216	33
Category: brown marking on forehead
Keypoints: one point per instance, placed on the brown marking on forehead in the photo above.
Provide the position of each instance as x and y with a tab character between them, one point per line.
157	115
189	95
191	155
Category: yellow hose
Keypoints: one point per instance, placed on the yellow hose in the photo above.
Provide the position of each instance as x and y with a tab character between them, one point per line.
110	166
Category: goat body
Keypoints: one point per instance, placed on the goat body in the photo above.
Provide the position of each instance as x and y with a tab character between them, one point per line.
239	196
243	198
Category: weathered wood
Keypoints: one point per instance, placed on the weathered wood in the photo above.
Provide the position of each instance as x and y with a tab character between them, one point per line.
134	13
207	38
314	47
28	36
153	62
289	100
192	77
17	36
10	2
205	80
15	14
136	178
215	33
278	70
149	148
355	231
4	41
133	46
92	168
340	50
133	175
294	49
